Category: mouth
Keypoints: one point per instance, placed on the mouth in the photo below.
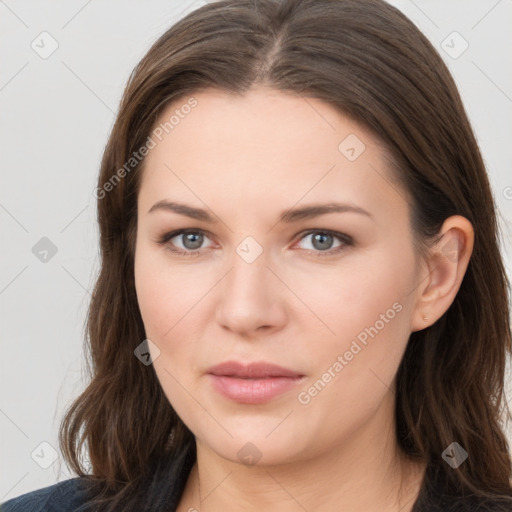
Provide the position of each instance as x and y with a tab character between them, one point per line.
254	383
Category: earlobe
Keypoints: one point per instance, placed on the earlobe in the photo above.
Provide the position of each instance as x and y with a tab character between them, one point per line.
446	266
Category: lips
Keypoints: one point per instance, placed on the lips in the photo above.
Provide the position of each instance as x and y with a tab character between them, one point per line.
253	383
251	371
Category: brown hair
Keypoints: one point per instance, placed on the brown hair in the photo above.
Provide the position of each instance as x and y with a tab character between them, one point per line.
365	58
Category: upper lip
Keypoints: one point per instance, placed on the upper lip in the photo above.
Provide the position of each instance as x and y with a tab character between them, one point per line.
259	370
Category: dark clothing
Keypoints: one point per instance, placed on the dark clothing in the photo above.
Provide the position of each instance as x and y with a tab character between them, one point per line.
70	495
62	497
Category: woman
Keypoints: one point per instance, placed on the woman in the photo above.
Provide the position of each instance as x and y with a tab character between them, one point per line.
302	303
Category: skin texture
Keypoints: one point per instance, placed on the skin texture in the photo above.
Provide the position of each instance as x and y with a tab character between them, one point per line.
246	159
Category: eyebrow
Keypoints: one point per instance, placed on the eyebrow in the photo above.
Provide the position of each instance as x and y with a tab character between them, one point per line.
287	216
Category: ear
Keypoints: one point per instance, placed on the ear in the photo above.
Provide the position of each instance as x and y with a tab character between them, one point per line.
443	271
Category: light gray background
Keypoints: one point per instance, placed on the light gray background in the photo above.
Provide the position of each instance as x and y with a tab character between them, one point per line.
56	114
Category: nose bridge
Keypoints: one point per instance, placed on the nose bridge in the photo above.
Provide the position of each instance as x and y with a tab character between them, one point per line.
249	295
249	275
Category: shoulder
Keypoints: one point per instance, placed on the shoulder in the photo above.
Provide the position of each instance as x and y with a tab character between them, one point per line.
60	497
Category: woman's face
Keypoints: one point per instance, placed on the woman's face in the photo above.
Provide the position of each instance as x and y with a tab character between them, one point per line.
297	270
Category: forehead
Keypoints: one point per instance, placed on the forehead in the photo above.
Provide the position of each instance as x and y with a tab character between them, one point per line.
264	119
268	142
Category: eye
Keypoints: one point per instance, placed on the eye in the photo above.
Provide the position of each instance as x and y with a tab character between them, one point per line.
319	242
185	242
325	242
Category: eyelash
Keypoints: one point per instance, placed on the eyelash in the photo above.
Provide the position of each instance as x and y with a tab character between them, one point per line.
346	241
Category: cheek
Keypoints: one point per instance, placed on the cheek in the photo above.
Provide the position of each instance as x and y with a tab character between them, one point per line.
359	293
164	300
152	296
164	294
367	308
171	302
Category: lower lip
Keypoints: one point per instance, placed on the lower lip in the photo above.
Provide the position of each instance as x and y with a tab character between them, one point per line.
253	391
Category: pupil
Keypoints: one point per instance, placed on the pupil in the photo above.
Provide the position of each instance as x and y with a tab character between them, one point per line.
324	241
192	240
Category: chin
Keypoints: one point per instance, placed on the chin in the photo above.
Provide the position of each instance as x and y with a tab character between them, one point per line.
259	442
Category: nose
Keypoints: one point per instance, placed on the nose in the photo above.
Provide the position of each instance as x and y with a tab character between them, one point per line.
252	299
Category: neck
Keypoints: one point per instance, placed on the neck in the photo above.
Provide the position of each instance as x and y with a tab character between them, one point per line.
366	472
